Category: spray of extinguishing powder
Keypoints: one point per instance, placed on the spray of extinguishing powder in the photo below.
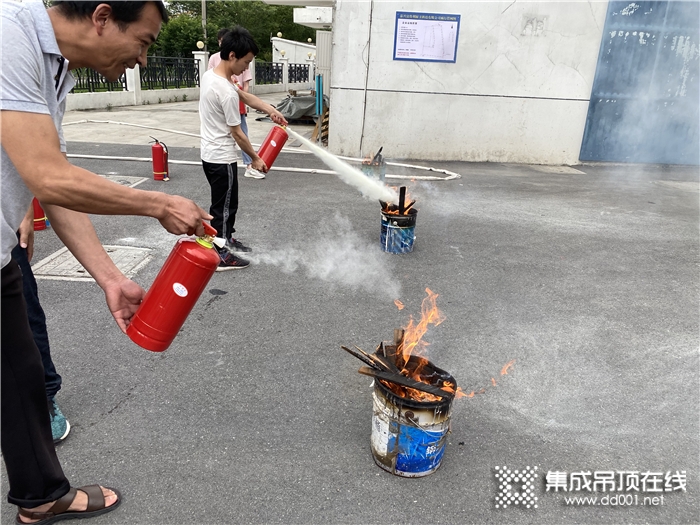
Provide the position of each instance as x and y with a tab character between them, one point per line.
370	188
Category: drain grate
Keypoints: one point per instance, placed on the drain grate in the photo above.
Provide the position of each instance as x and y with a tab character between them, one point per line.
125	180
63	266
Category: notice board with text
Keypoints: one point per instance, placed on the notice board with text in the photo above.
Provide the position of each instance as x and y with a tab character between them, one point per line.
426	37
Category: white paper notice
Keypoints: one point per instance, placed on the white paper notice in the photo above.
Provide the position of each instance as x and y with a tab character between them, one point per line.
426	36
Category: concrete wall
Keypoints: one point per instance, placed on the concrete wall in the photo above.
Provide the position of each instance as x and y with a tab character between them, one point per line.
295	52
518	92
79	101
134	95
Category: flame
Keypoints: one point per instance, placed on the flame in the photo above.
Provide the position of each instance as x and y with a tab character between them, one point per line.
412	342
449	387
508	366
393	209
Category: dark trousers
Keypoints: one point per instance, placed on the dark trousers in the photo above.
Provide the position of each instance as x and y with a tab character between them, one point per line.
33	470
37	321
223	181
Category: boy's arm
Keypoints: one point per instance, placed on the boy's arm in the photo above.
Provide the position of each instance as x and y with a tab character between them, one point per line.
255	103
245	145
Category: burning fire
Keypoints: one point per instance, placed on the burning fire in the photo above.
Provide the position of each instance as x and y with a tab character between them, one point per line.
412	342
403	207
403	369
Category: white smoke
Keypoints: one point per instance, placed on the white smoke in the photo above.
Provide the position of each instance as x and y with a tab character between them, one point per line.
370	188
337	256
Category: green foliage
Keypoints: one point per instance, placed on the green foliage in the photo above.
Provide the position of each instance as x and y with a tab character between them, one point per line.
178	37
262	20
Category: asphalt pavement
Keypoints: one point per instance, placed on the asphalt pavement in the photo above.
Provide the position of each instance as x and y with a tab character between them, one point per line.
580	283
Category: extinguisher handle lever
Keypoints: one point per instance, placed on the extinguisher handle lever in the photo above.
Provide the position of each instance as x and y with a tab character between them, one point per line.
208	229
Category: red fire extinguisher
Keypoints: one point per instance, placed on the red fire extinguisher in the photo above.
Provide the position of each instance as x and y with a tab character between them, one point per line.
177	287
159	153
272	145
40	220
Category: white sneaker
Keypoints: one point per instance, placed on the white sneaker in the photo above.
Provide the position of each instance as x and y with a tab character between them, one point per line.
253	173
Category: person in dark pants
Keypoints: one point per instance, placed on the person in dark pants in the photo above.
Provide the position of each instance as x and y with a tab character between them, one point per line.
22	253
221	130
39	47
18	364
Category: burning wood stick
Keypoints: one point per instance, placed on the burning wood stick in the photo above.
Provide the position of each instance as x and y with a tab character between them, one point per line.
375	361
377	159
410	205
384	362
364	359
388	355
402	198
404	381
398	336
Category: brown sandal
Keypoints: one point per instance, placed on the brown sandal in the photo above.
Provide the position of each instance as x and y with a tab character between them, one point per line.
59	510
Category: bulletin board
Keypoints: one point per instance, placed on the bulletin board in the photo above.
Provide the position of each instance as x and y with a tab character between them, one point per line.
426	37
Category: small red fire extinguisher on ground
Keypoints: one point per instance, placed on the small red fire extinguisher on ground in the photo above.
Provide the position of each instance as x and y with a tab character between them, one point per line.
175	291
272	145
159	153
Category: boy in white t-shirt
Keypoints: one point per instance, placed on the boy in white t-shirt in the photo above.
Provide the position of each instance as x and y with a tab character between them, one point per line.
221	130
242	82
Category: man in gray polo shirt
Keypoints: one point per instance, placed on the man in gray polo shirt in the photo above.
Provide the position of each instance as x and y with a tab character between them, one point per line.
39	47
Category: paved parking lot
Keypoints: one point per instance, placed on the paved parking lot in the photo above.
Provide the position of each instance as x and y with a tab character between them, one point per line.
586	278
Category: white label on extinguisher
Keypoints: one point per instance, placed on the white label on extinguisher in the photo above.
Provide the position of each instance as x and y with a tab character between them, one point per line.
274	144
180	289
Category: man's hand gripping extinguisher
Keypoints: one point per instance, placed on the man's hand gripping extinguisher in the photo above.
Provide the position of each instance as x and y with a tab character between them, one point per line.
175	291
159	154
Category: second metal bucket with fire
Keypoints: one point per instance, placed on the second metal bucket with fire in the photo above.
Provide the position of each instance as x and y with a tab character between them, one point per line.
409	436
398	231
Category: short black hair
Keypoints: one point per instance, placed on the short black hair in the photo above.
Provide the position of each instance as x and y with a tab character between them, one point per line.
222	33
123	12
240	41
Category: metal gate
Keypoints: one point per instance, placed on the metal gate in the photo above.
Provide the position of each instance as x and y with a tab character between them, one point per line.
644	103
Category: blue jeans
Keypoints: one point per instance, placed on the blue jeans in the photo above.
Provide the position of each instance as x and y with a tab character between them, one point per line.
37	321
244	126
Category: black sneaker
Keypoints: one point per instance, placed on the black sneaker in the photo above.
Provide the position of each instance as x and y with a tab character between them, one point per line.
230	262
237	246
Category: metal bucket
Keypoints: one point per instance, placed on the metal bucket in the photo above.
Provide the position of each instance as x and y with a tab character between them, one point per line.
374	171
408	436
398	232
